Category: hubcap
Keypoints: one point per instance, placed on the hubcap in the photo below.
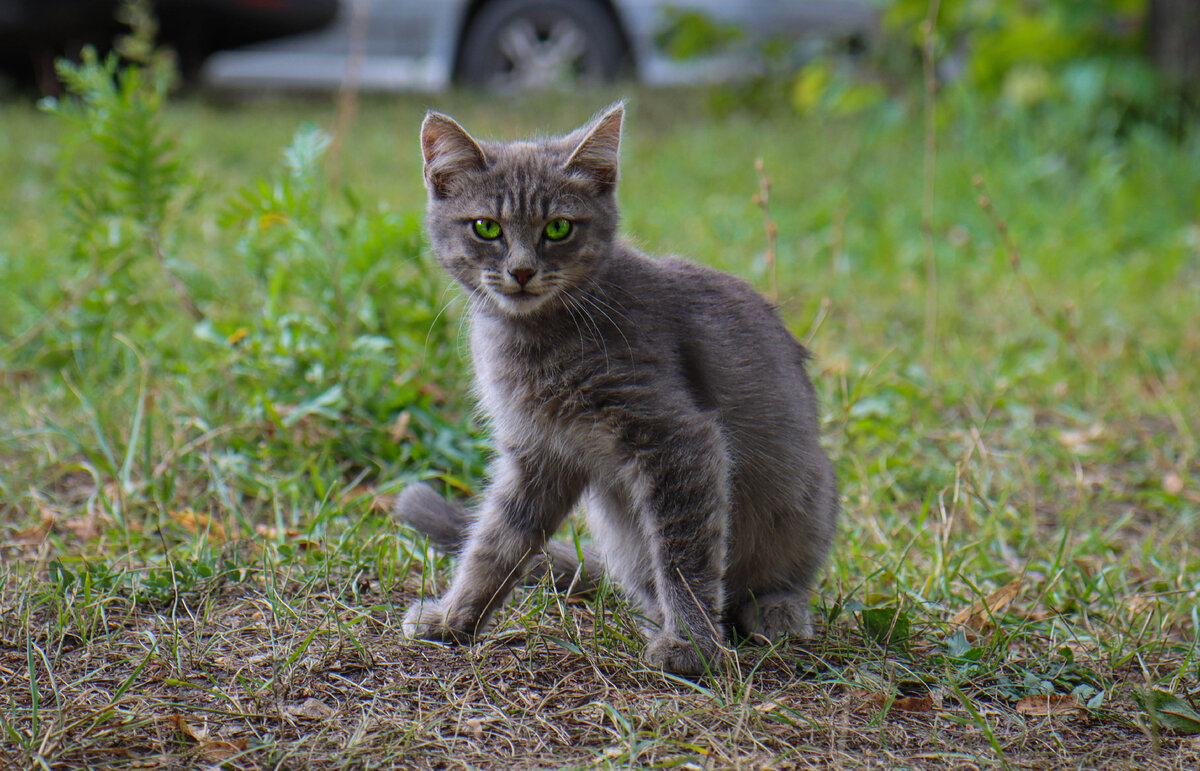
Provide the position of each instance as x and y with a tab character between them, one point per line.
537	55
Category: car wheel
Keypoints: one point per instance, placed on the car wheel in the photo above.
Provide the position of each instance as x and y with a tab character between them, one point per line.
515	45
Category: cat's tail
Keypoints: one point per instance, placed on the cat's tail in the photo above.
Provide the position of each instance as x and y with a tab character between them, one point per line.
574	571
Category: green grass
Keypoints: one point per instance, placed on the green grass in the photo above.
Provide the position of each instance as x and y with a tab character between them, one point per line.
199	566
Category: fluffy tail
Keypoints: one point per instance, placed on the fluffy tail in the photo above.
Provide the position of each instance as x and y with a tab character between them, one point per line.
446	527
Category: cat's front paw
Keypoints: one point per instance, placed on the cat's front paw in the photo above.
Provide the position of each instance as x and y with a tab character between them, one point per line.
774	617
426	620
681	656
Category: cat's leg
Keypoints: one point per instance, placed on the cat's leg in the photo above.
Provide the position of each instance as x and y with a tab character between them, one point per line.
615	525
447	526
528	499
773	616
684	495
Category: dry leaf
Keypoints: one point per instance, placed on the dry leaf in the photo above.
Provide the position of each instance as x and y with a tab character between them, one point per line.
1055	704
398	431
383	504
200	524
978	616
213	750
914	703
271	533
311	709
37	533
84	528
869	700
836	366
1138	603
188	730
437	394
863	700
476	724
1079	442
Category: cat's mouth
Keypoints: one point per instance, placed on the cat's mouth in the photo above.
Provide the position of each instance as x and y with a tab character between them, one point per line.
522	300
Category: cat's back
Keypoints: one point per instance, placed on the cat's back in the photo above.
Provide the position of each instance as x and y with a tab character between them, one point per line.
716	321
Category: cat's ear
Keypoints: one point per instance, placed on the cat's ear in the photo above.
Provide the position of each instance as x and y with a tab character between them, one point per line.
449	153
598	148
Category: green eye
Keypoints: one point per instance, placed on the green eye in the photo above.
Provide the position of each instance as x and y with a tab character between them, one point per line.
489	230
557	230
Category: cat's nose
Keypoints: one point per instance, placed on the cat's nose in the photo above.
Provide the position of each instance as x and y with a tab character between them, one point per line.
522	275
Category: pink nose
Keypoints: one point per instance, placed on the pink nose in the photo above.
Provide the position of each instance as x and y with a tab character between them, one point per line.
522	275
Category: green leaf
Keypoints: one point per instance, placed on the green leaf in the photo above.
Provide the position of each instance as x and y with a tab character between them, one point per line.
886	625
1167	710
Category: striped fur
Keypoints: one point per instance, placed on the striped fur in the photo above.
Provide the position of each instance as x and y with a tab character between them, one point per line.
667	396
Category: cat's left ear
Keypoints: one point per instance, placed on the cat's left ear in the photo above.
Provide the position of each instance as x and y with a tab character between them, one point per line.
599	143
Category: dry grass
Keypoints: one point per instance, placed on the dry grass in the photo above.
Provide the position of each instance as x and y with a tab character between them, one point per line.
277	667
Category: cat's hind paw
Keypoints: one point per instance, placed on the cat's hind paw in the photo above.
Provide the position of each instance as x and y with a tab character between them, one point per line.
682	657
426	620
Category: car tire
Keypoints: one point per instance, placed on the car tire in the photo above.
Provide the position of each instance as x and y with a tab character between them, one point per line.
515	45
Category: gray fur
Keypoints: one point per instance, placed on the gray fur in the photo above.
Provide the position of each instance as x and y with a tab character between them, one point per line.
667	395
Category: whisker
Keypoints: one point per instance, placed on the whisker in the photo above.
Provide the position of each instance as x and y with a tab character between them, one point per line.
568	305
599	336
596	303
432	324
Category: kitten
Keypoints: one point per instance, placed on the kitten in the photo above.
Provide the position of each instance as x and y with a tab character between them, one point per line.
668	395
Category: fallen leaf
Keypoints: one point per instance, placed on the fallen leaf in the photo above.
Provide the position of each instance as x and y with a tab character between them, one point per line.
398	431
382	503
432	391
187	729
978	615
886	625
864	700
200	524
213	750
836	365
311	709
913	703
84	528
272	533
37	533
1054	704
476	724
1169	711
1138	603
1080	441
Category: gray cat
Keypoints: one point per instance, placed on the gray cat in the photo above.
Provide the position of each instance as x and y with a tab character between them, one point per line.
667	395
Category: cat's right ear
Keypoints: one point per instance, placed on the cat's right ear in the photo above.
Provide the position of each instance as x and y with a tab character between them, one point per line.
449	153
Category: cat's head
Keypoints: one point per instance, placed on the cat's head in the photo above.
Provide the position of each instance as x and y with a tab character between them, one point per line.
522	225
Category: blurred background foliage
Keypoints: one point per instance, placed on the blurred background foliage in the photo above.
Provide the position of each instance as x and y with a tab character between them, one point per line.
1115	63
254	308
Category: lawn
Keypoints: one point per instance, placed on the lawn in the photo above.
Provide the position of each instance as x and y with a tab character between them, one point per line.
224	346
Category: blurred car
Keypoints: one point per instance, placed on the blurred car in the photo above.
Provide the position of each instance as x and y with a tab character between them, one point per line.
515	44
35	32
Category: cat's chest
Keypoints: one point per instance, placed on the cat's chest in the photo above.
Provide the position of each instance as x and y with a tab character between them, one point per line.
535	389
542	399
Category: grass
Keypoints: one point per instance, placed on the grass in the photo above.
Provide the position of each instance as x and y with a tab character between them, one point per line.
199	567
